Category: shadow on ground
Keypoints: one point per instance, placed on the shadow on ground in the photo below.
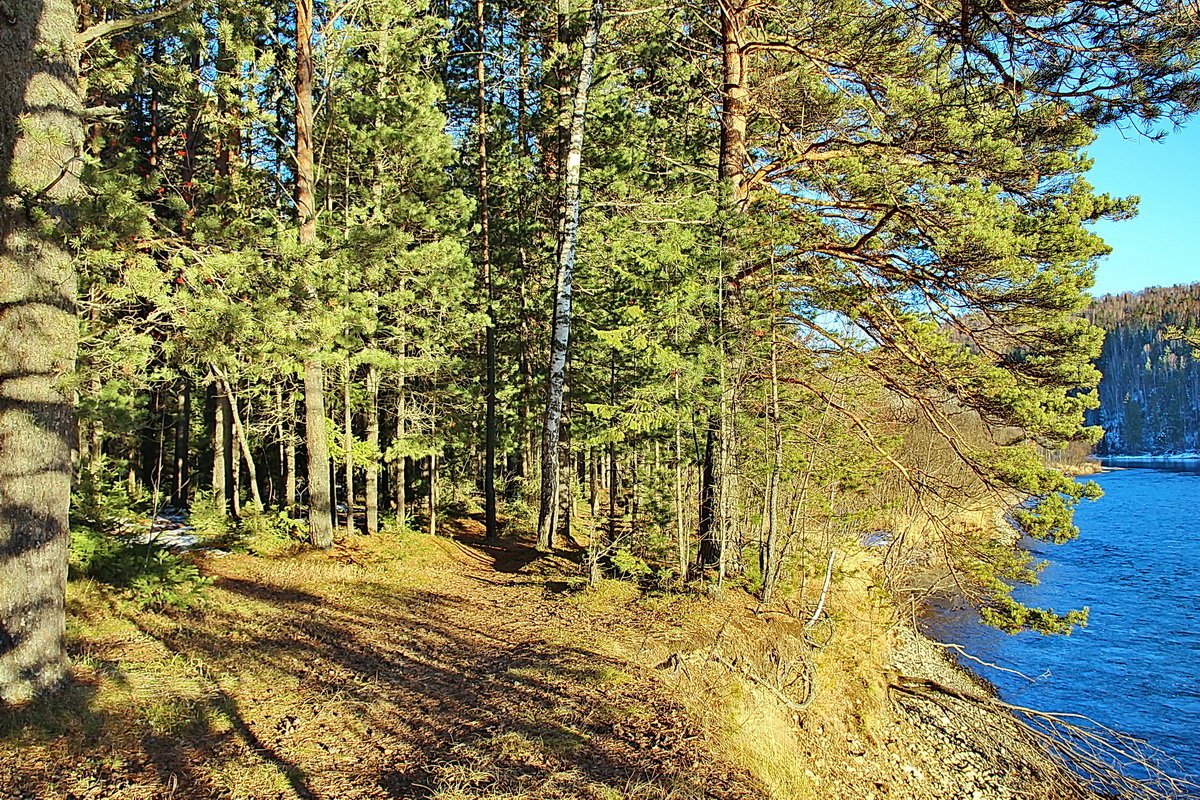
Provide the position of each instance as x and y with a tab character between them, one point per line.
373	688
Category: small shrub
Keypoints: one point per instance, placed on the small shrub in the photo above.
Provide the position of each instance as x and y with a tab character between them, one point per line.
150	576
268	534
210	523
628	565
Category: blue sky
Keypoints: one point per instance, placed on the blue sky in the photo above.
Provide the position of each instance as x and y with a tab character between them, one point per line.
1159	246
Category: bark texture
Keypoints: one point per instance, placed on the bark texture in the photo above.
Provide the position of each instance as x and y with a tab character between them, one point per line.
560	338
40	136
320	489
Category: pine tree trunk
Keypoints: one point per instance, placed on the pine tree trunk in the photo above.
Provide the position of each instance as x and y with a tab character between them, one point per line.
709	555
401	460
348	445
320	494
734	98
40	137
433	495
289	450
222	470
681	539
485	250
371	484
183	438
713	519
560	338
771	556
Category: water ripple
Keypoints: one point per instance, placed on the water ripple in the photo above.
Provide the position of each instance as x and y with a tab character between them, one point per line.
1137	565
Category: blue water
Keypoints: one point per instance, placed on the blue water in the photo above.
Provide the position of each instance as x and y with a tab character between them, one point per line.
1136	565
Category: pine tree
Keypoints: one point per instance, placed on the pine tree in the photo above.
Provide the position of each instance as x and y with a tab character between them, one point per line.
40	139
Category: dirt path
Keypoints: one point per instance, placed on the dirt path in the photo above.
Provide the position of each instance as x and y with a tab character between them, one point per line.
448	674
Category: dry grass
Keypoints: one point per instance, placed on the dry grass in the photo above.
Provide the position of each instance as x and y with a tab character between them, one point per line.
391	667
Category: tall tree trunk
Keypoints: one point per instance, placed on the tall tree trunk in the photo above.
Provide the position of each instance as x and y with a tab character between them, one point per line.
772	557
235	465
485	255
348	445
681	537
401	459
243	443
709	554
732	158
734	97
433	495
560	338
41	134
320	494
287	429
527	443
222	470
183	437
371	484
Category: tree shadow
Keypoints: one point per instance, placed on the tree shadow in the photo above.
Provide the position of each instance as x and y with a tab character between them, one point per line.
40	126
415	693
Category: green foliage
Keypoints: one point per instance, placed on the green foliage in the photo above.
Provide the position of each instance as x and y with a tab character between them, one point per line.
1012	617
210	522
257	531
268	533
913	234
627	565
149	575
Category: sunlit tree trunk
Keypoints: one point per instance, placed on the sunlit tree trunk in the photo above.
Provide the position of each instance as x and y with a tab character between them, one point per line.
371	482
560	338
320	493
40	137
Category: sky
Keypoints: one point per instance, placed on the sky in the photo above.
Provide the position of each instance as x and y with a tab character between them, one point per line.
1161	245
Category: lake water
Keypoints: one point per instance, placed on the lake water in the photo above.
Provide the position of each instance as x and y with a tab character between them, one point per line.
1136	564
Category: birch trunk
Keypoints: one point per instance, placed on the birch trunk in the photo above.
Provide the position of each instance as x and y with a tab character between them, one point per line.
485	255
560	339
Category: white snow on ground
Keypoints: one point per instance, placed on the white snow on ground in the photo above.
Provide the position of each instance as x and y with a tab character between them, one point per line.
168	531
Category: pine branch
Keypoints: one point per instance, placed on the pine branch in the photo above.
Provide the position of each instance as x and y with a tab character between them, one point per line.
109	27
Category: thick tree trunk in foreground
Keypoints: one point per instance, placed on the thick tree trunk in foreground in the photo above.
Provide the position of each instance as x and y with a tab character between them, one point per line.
40	135
320	490
560	339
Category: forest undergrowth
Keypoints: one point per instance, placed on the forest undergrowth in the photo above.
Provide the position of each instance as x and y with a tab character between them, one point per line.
412	666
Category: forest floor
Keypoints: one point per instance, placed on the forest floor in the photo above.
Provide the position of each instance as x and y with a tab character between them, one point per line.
449	668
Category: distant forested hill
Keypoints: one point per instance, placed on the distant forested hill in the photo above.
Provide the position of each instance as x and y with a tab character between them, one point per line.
1150	393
